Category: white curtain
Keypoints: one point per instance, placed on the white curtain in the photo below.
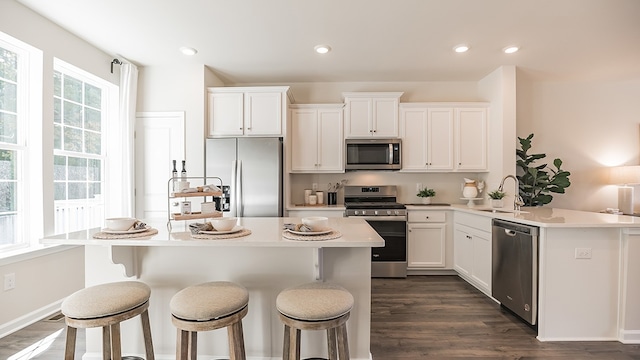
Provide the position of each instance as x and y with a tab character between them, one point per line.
122	163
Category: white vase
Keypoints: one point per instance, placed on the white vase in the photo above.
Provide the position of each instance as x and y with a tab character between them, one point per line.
497	203
426	200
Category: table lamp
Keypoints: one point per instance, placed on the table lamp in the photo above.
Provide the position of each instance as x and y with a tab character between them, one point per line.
625	176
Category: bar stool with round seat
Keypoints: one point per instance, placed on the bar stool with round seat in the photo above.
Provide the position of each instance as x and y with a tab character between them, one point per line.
315	306
209	306
106	306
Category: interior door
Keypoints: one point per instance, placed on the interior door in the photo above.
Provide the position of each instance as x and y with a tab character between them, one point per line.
159	140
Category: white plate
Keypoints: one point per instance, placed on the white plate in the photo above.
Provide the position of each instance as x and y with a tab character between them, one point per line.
215	232
135	231
310	232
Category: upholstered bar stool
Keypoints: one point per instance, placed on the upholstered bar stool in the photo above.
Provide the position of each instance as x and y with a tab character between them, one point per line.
209	306
315	306
106	306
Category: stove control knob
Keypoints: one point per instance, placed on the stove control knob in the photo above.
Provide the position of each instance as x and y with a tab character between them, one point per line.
376	212
389	212
363	212
397	212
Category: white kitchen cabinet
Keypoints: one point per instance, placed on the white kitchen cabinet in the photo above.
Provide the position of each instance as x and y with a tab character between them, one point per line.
247	111
427	137
317	143
426	239
471	139
371	114
472	250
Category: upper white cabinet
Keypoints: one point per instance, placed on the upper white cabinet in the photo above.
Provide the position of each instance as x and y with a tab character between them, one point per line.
371	114
317	143
427	138
471	139
247	111
441	137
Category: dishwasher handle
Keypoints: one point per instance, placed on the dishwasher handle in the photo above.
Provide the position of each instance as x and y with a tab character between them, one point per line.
509	232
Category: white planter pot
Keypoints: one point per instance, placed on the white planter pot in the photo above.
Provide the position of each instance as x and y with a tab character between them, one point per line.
426	200
497	203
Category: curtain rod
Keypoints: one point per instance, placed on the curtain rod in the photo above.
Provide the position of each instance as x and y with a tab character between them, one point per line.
115	61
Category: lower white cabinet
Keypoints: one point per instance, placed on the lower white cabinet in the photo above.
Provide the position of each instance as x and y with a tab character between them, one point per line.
472	250
426	239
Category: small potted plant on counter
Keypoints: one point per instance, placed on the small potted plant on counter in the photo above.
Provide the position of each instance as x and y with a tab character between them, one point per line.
496	198
426	194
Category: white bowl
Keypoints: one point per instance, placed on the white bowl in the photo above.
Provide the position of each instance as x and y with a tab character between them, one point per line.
316	223
119	224
224	223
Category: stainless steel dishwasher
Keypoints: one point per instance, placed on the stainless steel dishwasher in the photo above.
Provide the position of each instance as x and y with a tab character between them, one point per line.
514	277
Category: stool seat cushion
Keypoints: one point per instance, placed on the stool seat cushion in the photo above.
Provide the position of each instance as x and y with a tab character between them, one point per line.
314	302
106	299
208	301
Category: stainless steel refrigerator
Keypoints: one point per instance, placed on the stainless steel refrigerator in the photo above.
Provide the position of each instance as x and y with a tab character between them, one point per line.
252	168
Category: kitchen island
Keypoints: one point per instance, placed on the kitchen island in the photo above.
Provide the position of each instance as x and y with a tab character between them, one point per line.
264	262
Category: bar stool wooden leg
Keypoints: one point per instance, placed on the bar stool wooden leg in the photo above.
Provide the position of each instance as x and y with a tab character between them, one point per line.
332	340
146	332
193	345
343	342
236	341
106	343
116	350
70	347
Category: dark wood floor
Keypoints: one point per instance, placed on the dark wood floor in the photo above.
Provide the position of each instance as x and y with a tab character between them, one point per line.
443	317
421	317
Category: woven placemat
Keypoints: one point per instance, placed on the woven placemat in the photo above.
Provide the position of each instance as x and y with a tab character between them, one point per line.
107	236
334	234
241	233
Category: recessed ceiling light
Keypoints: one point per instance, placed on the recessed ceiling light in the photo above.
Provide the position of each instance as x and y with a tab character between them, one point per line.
510	49
189	51
461	48
322	49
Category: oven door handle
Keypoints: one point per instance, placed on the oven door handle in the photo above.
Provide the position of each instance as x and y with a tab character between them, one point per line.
382	218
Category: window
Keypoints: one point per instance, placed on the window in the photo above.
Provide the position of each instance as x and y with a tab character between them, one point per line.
19	69
79	148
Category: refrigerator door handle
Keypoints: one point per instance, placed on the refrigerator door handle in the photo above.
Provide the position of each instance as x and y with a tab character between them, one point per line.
240	201
233	192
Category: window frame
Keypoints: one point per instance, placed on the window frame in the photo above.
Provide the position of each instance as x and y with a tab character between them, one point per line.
109	105
29	227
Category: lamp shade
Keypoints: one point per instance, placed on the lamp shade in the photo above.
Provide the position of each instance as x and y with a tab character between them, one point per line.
625	175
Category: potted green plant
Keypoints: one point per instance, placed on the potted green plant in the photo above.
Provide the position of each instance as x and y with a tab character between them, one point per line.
426	194
496	198
538	182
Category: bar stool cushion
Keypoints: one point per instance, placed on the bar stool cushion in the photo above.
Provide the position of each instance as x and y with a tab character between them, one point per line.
105	299
314	301
207	301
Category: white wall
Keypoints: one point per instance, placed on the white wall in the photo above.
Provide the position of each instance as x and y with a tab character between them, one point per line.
45	280
590	126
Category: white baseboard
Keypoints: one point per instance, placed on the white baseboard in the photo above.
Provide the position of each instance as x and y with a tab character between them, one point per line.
30	318
629	336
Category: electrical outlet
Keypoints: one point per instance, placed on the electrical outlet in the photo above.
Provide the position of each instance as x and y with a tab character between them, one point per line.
314	186
9	281
583	253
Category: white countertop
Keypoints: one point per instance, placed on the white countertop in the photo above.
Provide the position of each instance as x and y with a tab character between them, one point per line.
552	217
265	232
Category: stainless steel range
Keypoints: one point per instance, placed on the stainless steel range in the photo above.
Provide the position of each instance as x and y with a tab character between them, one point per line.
379	207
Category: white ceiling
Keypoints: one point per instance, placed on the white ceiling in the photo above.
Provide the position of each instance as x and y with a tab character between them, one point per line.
271	41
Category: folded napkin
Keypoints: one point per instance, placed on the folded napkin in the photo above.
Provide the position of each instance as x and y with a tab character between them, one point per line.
196	228
211	188
138	225
297	227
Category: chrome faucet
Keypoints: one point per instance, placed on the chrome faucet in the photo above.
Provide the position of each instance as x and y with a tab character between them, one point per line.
517	199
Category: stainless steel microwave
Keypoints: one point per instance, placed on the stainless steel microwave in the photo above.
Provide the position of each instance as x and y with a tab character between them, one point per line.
373	154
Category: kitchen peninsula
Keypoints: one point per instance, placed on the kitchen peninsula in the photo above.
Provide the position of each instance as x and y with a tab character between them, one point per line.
264	262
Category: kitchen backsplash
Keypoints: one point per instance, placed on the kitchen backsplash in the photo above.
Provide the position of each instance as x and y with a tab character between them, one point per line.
448	186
